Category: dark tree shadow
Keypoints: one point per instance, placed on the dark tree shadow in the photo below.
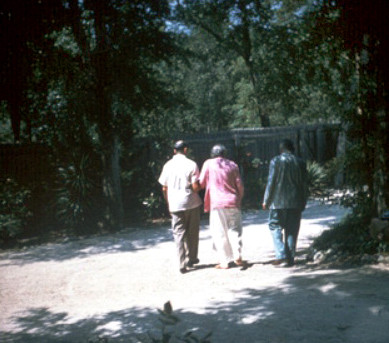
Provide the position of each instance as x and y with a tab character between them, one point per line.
137	239
348	306
124	241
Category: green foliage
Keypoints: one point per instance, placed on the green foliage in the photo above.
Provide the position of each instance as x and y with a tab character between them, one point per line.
154	205
351	235
76	196
168	320
272	60
90	71
359	163
142	160
168	332
5	125
317	179
14	211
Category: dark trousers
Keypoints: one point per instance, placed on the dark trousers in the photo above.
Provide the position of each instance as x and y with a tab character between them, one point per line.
186	227
284	226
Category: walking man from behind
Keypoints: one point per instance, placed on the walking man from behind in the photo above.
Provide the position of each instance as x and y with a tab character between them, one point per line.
223	196
180	187
286	196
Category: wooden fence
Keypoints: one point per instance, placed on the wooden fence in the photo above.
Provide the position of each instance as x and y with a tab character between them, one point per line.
27	163
252	149
312	142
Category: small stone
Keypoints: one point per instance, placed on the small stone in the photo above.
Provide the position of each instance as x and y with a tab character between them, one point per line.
366	258
381	259
329	251
318	257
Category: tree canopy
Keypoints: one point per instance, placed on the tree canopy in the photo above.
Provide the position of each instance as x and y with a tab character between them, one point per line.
95	80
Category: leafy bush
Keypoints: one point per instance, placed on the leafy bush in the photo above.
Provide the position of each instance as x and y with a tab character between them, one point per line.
154	206
143	161
351	235
317	179
14	211
76	194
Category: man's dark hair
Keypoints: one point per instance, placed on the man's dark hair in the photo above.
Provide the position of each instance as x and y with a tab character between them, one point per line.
218	150
286	144
180	145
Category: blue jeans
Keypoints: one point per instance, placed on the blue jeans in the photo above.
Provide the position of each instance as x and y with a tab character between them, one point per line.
284	225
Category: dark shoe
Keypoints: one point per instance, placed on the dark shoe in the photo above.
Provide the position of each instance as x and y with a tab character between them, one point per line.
287	264
183	270
279	262
193	262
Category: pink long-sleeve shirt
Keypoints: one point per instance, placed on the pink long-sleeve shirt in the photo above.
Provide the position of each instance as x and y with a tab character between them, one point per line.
222	182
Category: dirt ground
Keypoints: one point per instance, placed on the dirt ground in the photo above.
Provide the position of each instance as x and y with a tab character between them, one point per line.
111	286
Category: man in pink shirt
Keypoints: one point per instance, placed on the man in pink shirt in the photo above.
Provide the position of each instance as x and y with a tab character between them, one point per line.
223	196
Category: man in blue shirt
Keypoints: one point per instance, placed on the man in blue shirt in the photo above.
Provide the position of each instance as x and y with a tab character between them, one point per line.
286	196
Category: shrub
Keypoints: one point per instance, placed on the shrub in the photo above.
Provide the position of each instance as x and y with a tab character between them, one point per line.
142	163
154	206
14	211
351	235
317	179
76	194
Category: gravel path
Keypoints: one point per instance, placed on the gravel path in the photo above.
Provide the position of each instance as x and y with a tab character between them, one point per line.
112	285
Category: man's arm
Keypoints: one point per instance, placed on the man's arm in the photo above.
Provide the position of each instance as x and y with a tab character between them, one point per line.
239	184
267	199
203	175
305	187
164	191
195	185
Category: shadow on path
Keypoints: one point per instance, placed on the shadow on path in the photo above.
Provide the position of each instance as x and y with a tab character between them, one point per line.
325	306
139	239
123	241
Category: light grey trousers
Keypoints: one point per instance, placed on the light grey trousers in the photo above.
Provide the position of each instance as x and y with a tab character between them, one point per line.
226	229
186	227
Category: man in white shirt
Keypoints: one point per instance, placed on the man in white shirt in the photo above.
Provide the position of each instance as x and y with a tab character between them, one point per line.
180	187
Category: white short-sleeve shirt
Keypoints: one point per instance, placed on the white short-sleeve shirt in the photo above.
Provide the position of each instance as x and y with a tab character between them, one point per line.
178	175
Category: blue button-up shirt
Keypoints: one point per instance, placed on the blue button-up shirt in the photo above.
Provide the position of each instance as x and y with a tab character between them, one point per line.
287	183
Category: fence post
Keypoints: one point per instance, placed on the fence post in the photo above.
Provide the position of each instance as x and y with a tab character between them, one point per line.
298	145
340	152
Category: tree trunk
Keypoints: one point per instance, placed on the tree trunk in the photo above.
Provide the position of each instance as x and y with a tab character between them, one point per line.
14	108
246	53
380	179
111	182
381	163
374	124
106	123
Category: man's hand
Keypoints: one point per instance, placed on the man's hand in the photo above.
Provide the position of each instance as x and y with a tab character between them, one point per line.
164	192
264	207
196	187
